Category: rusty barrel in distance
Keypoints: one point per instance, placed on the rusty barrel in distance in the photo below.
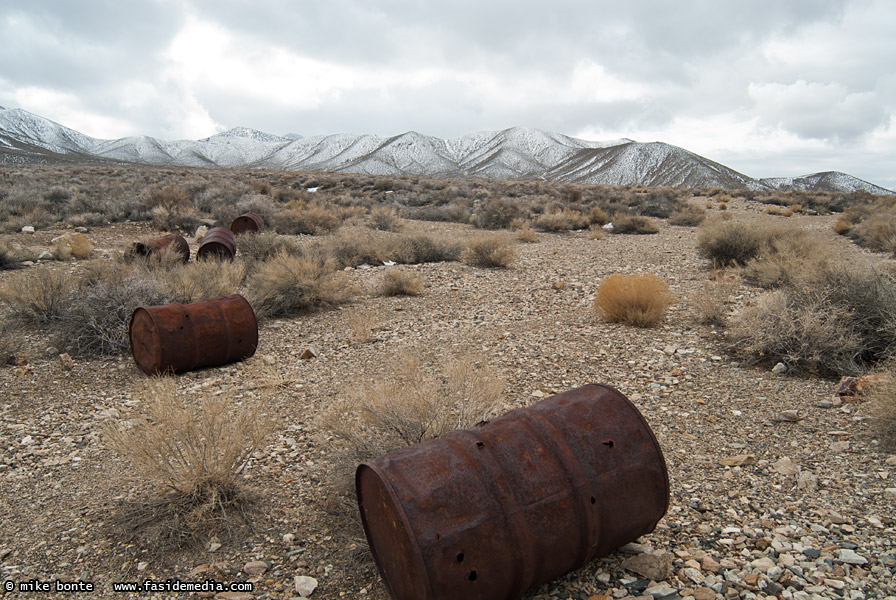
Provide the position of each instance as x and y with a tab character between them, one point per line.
249	222
218	242
175	242
183	337
491	511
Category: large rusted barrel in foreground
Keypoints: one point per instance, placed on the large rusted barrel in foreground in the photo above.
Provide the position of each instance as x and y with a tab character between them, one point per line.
247	223
218	242
183	337
491	511
175	242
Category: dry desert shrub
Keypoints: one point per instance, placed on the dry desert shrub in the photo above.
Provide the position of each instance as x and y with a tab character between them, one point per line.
596	232
639	300
730	242
362	324
689	215
598	216
526	234
789	256
265	245
193	455
312	218
840	321
400	282
8	260
75	245
634	224
496	213
882	409
562	220
407	406
876	232
37	295
425	248
204	279
490	251
712	301
287	285
385	219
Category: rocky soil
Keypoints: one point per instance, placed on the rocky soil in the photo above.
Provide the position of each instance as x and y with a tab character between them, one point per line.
777	487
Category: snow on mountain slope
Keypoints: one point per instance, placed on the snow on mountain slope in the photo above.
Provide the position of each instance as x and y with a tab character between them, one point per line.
514	153
829	181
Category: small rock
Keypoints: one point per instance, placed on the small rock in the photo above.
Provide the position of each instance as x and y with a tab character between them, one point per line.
763	564
785	466
27	440
839	446
141	566
790	416
652	565
45	255
635	548
704	593
708	563
28	229
891	460
268	360
661	590
288	538
309	352
851	558
779	369
741	460
200	232
891	492
807	481
305	586
255	567
66	361
213	545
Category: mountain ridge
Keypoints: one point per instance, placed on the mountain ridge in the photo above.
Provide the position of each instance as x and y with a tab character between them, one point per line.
516	153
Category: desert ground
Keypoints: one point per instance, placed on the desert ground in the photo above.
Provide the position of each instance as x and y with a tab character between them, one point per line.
778	488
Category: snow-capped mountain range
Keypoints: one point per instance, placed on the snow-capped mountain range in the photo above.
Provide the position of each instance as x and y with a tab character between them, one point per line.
515	153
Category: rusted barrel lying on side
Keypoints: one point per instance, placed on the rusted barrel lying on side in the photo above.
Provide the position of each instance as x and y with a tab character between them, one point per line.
247	223
218	242
175	242
183	337
491	511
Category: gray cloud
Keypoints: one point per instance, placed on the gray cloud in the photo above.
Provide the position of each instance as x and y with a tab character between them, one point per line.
802	71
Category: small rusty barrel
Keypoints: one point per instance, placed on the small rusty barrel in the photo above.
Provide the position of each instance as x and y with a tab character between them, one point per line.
175	242
247	223
218	242
492	511
183	337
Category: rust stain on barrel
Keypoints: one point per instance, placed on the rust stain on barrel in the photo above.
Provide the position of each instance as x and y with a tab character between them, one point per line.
183	337
492	511
218	242
247	223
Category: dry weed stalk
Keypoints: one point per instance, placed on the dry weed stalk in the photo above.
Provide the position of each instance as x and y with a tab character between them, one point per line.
361	323
194	456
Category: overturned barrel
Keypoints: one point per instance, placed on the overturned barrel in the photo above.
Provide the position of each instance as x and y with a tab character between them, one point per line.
183	337
491	511
247	223
218	242
172	241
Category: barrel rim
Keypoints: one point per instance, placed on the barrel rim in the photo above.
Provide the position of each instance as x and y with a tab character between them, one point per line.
147	369
399	510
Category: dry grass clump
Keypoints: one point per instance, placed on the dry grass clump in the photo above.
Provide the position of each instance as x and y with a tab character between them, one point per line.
287	285
526	233
639	300
37	296
405	407
788	256
876	232
490	251
424	248
362	324
193	456
399	282
8	259
496	213
75	245
634	224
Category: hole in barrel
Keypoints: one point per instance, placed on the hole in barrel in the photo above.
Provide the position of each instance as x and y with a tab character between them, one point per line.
460	557
609	443
593	500
479	444
472	576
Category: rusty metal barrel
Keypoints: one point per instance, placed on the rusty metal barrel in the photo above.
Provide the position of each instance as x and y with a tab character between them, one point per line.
218	242
183	337
492	511
175	242
247	223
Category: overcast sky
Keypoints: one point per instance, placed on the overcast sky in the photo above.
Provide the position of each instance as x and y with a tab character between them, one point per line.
767	87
